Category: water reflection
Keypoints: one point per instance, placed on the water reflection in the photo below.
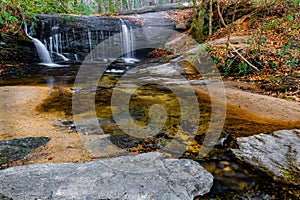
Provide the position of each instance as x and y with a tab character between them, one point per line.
232	180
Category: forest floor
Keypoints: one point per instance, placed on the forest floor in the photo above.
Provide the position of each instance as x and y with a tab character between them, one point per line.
266	41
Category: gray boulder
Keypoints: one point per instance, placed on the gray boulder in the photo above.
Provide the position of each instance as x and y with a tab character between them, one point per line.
144	176
277	155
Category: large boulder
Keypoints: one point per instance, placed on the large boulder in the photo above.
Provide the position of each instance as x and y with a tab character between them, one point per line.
277	155
144	176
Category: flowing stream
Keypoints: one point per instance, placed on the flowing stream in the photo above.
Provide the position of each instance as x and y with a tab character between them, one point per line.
232	179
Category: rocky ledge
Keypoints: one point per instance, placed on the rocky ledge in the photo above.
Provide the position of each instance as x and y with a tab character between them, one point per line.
277	155
144	176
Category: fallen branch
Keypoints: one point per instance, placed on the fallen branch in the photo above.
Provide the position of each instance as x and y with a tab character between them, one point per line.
241	40
234	49
296	93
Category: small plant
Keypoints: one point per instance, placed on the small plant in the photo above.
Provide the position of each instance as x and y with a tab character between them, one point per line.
226	67
216	59
272	66
292	62
243	69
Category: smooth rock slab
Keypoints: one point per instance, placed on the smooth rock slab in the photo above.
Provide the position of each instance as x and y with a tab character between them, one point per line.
144	176
277	155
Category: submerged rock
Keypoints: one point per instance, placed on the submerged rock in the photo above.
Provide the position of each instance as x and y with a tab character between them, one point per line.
15	149
144	176
277	155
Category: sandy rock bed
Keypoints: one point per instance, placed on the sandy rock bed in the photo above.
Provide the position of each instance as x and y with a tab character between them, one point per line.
19	118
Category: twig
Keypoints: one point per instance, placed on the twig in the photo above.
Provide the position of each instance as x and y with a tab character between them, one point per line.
297	92
220	15
234	49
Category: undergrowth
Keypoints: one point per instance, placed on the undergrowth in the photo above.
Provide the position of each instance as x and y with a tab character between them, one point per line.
273	48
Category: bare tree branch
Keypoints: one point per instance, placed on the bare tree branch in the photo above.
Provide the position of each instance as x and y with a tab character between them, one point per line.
234	49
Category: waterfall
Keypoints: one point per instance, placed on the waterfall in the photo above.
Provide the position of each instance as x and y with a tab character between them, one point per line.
90	43
57	44
126	40
41	49
67	43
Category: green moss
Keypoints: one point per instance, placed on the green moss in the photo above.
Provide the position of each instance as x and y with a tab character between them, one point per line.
287	175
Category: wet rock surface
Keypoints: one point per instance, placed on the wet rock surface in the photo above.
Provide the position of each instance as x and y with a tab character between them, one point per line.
15	149
277	155
144	176
79	35
17	48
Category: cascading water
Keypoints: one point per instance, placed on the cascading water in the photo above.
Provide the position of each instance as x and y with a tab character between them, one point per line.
55	42
127	48
127	42
44	55
66	42
90	43
57	50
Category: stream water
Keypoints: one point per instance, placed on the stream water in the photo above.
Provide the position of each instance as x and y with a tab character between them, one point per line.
232	180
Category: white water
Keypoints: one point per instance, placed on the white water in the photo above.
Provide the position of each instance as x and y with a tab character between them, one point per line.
41	49
115	71
90	43
76	57
62	56
59	41
131	60
57	44
127	41
44	54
